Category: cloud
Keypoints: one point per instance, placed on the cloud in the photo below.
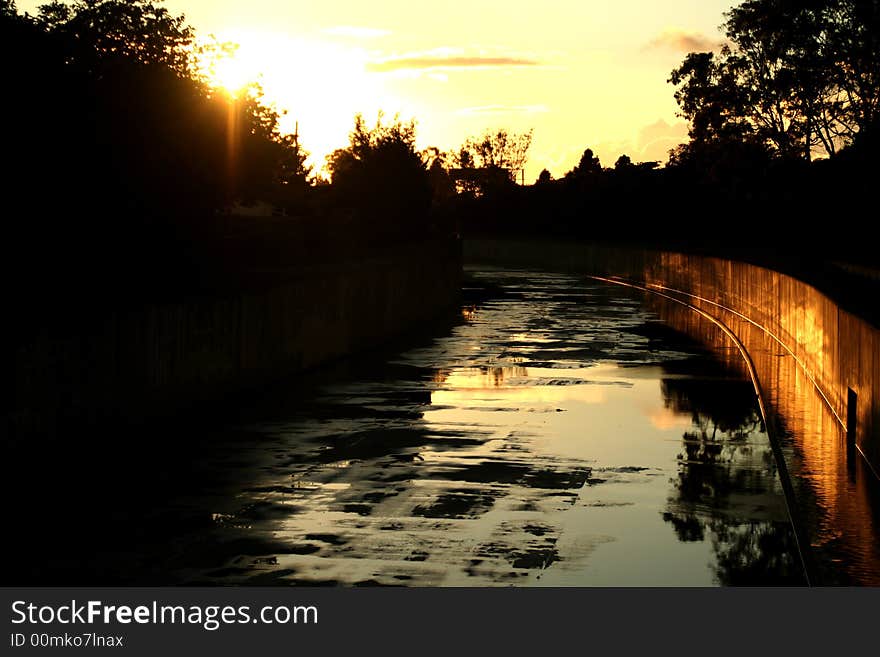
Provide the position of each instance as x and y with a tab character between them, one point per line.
656	140
504	109
683	41
651	144
428	61
355	32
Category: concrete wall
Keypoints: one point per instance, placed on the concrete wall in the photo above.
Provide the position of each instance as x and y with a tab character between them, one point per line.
160	359
836	350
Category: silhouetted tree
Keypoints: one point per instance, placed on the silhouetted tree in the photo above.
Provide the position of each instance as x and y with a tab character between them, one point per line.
544	178
383	177
121	153
852	27
711	99
269	165
587	167
442	185
491	161
588	164
496	149
796	76
101	32
623	163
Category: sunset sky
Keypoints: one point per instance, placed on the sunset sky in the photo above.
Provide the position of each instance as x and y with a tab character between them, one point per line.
582	73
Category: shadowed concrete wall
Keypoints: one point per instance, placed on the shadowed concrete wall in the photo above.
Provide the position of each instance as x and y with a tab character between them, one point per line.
836	350
159	359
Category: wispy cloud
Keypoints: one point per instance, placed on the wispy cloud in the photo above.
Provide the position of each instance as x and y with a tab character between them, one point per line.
355	32
683	41
446	60
504	109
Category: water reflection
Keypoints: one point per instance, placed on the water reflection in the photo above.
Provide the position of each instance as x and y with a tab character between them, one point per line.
560	435
728	486
539	443
836	493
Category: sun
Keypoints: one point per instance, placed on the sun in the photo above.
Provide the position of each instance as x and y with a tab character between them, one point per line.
317	85
227	68
232	75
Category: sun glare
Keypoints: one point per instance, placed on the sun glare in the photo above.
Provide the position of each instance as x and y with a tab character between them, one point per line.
317	84
232	74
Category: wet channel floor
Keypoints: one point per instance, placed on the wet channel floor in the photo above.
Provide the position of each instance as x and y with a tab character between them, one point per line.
557	435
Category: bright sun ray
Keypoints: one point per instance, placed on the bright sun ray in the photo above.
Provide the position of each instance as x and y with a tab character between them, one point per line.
226	69
318	85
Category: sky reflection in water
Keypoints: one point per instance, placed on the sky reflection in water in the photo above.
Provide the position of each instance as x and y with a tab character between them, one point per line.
560	435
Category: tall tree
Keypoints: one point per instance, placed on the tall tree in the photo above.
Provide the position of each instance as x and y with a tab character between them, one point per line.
588	166
496	149
104	31
796	76
112	116
491	161
383	176
853	38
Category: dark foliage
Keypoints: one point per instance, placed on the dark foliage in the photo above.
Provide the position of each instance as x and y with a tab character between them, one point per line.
119	158
782	138
383	179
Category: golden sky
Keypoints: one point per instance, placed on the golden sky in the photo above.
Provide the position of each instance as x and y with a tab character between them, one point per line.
582	73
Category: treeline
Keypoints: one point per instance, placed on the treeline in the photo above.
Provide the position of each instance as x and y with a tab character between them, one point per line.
118	154
124	166
110	115
784	124
782	156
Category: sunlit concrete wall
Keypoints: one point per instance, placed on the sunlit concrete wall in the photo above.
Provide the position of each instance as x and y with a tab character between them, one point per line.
833	488
155	360
834	350
837	350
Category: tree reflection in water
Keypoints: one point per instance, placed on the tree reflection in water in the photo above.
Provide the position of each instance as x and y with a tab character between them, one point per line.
727	490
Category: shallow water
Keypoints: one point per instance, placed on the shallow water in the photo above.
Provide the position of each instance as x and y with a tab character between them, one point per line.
558	435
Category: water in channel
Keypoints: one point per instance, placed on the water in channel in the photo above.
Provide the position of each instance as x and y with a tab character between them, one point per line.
558	434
